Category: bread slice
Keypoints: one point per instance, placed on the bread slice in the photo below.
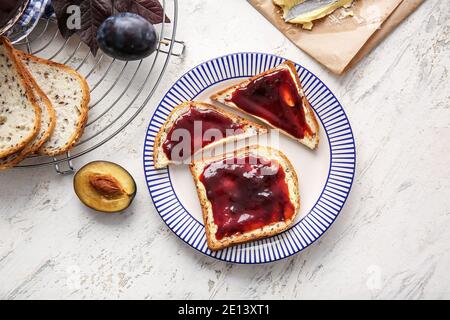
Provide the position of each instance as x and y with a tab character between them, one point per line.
160	158
48	121
291	180
20	114
69	95
224	96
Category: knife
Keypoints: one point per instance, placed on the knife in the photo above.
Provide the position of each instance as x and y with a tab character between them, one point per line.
307	6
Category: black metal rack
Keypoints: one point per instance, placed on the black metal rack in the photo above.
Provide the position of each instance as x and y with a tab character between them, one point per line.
119	90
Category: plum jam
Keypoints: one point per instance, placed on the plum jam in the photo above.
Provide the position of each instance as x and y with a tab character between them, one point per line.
275	98
246	194
196	122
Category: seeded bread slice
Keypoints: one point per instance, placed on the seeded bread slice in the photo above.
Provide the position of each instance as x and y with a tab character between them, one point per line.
48	121
20	114
160	158
224	96
291	179
69	94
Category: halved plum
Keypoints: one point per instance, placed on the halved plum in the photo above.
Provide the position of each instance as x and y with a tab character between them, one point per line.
105	186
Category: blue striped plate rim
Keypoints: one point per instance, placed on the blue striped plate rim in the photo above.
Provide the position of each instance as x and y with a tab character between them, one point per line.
335	191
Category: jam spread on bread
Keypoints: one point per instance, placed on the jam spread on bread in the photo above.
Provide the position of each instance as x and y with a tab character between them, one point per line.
246	193
274	97
197	122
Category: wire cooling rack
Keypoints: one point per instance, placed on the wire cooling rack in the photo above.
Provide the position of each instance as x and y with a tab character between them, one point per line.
119	89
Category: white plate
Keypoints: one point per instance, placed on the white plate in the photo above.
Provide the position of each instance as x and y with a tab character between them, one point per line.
325	175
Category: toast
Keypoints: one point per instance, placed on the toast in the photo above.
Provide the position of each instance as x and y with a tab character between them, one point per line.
309	140
159	156
290	178
69	95
20	114
48	121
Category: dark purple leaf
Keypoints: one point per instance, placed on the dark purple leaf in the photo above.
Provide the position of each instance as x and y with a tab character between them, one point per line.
94	12
60	7
149	9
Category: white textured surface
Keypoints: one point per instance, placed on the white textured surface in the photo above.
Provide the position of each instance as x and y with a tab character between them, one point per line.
392	239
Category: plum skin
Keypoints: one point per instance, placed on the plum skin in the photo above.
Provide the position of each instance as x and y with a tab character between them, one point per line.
127	36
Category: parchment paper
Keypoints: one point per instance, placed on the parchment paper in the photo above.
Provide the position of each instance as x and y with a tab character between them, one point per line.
338	41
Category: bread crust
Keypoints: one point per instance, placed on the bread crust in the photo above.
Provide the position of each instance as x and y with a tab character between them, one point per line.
34	145
51	114
160	160
309	112
84	104
30	95
267	231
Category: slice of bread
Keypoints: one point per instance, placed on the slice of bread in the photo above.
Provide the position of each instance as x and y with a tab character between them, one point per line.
224	96
20	114
69	95
291	180
48	121
160	158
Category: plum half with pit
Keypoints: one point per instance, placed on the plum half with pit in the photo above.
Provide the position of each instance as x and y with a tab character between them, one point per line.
105	186
127	36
